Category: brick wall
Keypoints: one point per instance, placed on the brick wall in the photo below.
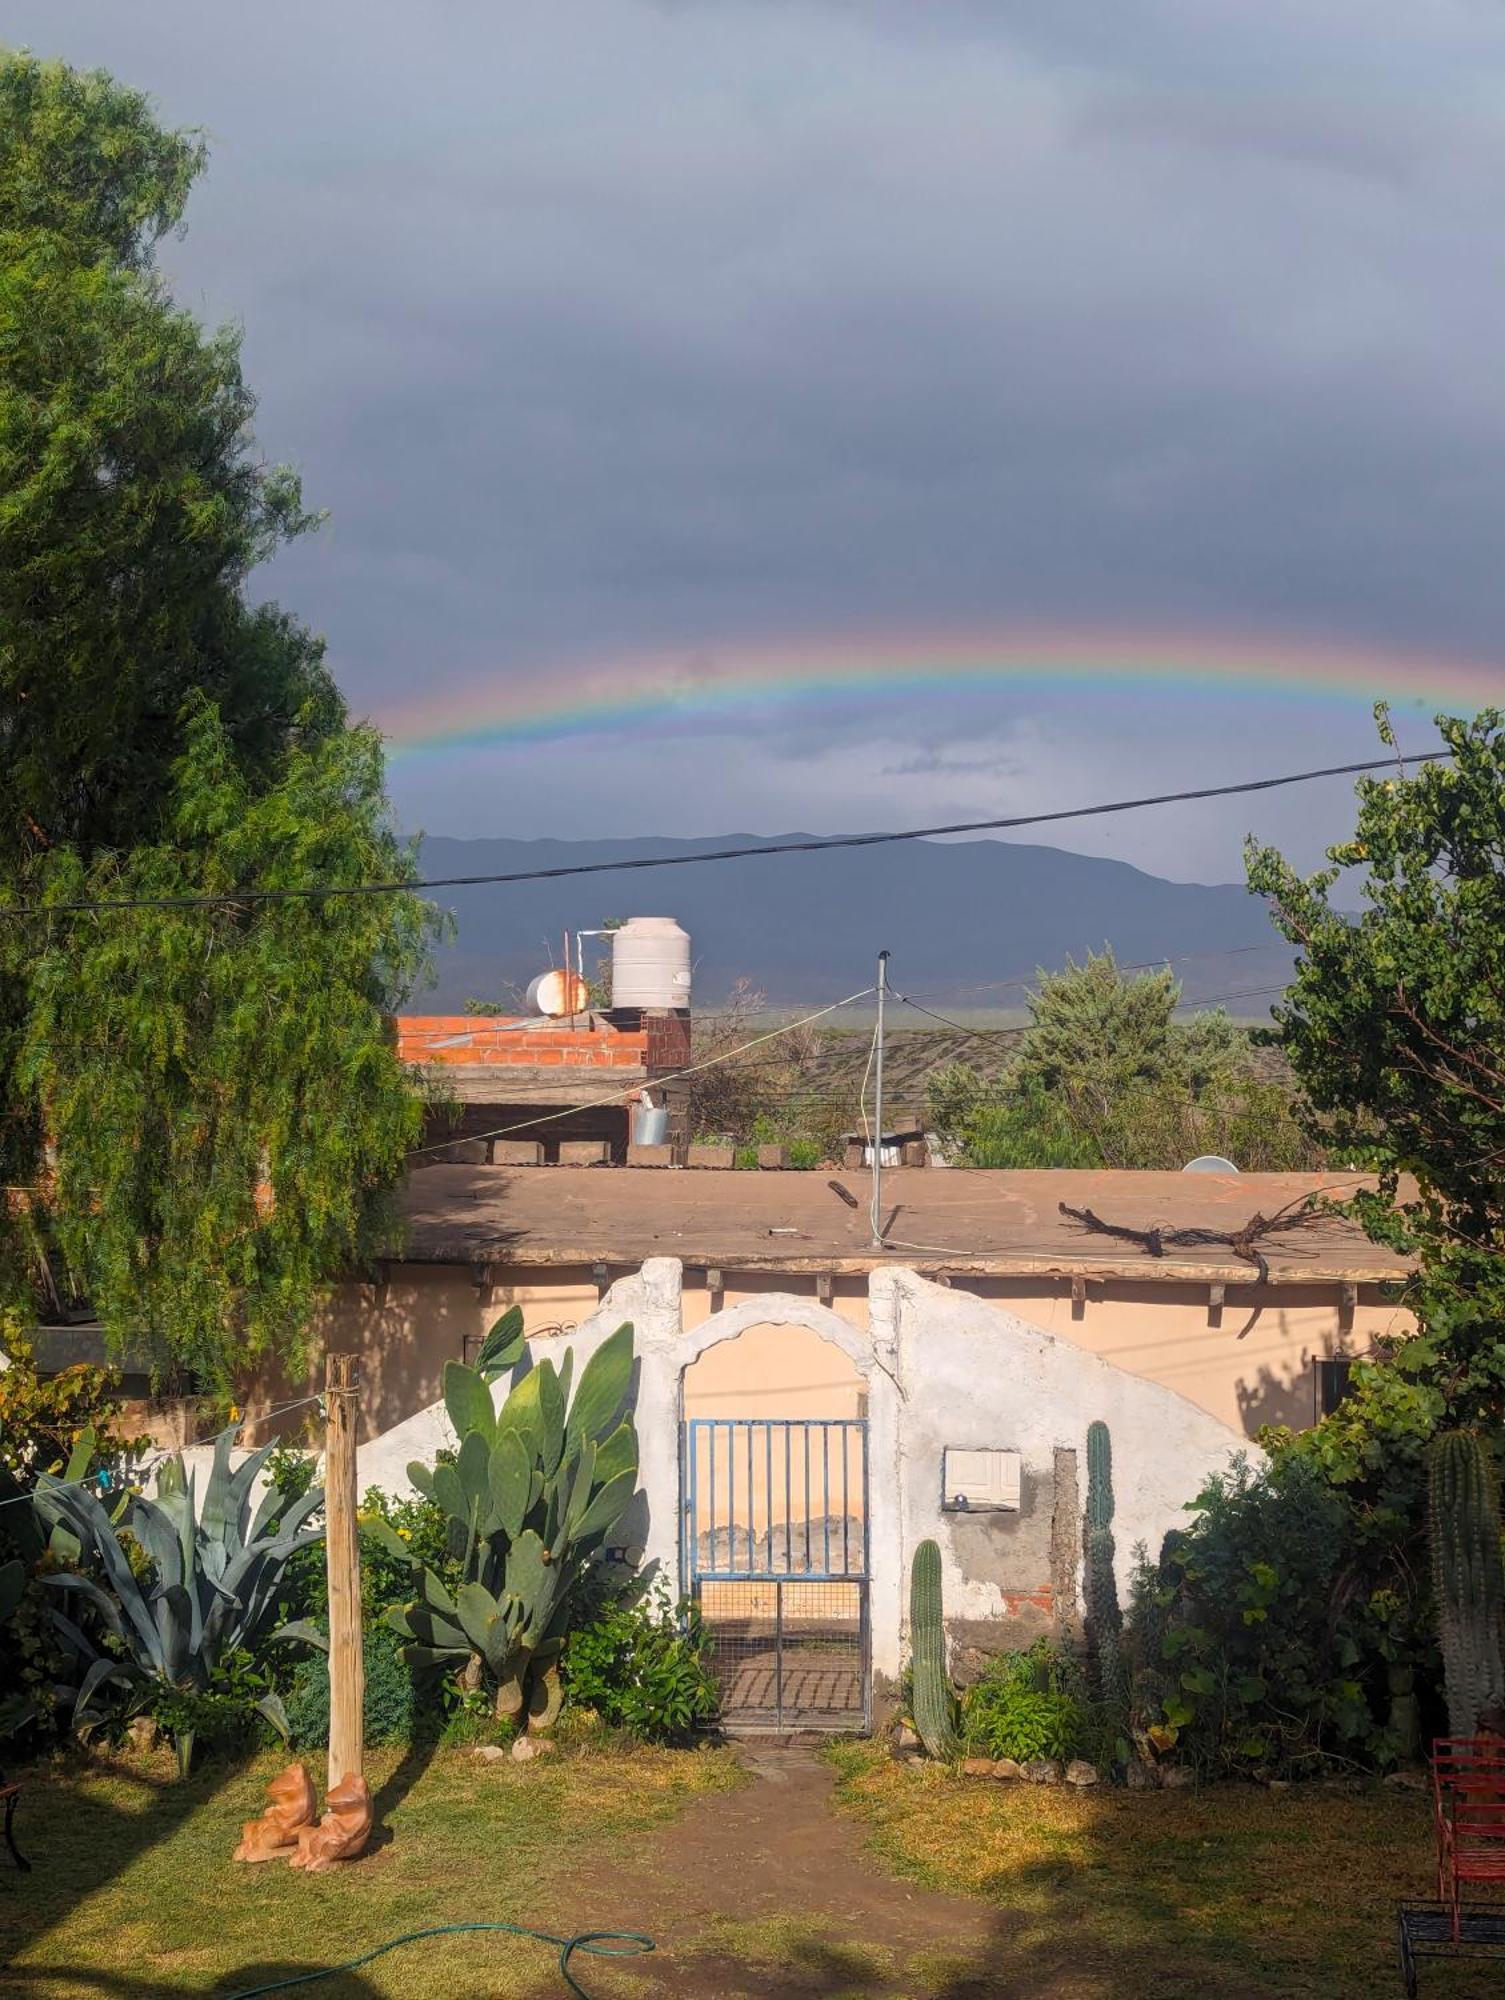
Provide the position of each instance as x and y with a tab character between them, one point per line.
591	1043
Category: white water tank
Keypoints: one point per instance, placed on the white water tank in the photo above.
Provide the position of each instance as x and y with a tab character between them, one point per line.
650	964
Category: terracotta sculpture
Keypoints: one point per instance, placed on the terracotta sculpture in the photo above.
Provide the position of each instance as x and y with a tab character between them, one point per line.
293	1806
341	1833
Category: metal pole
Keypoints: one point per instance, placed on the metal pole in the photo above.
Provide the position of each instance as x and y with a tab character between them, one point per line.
877	1214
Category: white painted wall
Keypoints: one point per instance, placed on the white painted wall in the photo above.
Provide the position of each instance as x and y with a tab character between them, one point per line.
941	1367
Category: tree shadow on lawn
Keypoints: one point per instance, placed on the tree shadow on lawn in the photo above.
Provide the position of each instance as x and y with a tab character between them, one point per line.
247	1979
78	1841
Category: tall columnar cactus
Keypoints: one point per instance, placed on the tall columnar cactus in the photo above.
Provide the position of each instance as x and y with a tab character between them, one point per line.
1104	1619
1099	1476
934	1708
1466	1576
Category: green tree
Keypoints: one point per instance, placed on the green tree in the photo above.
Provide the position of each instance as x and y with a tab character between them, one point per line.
201	1108
1395	1026
1095	1033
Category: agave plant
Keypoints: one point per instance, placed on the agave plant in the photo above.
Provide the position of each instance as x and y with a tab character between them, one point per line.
532	1495
24	1530
210	1590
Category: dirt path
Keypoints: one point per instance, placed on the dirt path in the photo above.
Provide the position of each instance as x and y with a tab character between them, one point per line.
768	1892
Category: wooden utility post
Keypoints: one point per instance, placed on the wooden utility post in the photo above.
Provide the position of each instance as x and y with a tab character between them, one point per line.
342	1555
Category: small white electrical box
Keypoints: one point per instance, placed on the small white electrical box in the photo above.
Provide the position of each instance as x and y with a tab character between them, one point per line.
980	1482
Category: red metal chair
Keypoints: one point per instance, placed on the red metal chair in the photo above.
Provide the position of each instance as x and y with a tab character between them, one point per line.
1468	1811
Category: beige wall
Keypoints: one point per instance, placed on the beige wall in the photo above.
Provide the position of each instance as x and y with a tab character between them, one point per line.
1156	1331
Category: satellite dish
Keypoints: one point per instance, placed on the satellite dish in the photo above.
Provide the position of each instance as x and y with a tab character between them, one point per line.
1209	1163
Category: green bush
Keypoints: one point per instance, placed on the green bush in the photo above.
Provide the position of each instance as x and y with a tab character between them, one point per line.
1028	1704
641	1668
1265	1639
395	1709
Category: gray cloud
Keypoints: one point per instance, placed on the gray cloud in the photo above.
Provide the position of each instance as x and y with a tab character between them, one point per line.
620	328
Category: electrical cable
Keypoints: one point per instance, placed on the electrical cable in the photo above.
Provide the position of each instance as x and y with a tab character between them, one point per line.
313	891
590	1944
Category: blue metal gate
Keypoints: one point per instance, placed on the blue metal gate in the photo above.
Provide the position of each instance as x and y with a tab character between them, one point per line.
775	1546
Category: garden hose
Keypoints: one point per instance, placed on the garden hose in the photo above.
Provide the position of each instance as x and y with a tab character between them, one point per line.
591	1944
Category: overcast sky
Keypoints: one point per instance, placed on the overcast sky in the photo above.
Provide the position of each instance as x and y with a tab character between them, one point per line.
606	328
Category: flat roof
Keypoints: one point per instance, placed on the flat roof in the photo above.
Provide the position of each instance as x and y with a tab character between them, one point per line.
934	1219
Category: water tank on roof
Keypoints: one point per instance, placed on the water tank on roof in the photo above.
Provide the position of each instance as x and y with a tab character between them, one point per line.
650	964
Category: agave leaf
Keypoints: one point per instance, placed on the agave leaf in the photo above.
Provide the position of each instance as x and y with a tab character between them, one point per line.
509	1476
86	1587
468	1401
619	1453
302	1631
103	1670
270	1705
603	1385
607	1507
503	1346
219	1509
97	1536
178	1630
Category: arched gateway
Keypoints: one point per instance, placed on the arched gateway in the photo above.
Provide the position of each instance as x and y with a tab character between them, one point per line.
775	1534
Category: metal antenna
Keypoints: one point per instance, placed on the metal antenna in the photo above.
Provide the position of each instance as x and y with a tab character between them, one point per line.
876	1217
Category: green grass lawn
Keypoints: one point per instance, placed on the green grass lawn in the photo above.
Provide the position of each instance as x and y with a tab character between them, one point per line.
1229	1891
134	1892
757	1889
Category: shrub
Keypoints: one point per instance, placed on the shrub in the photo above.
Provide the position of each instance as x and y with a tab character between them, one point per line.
1028	1704
394	1708
1259	1640
642	1668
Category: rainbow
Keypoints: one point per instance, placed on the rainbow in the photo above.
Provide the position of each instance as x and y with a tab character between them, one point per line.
509	709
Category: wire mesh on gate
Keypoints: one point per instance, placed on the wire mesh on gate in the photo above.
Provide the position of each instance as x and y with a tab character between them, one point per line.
788	1654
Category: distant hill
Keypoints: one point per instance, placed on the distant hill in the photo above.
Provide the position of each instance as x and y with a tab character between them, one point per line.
957	917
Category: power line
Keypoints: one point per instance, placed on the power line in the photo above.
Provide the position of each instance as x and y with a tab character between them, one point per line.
315	890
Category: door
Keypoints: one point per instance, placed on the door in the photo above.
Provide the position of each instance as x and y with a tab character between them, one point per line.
776	1553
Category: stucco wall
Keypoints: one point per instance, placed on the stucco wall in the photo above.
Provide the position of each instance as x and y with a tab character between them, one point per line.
937	1367
1157	1331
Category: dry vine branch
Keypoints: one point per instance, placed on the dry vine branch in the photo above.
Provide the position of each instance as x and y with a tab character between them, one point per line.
1242	1242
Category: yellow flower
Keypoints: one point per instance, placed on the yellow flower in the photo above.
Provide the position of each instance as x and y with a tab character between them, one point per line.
235	1413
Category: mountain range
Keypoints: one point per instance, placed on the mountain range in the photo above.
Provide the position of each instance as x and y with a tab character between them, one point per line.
968	922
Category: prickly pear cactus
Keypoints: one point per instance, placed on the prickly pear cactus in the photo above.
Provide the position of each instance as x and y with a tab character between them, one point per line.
934	1708
1464	1518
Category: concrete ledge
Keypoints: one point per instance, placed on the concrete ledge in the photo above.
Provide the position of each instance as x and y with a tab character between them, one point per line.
516	1152
650	1156
711	1156
584	1152
460	1153
773	1156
